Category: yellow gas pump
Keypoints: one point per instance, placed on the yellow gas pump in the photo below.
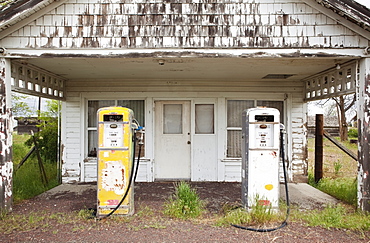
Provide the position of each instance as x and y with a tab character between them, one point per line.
115	156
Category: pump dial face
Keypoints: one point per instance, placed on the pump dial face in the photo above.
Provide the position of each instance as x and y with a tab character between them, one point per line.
113	118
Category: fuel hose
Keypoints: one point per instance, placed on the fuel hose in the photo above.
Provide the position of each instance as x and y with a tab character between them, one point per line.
132	175
285	222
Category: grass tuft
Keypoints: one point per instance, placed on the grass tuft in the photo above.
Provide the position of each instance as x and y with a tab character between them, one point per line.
338	217
344	189
257	215
185	203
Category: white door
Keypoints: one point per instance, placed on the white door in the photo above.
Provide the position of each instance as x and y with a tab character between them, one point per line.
172	140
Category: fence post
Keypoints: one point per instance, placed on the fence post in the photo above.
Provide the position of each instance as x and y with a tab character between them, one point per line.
319	135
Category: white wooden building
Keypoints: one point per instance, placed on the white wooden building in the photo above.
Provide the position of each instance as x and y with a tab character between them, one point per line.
187	69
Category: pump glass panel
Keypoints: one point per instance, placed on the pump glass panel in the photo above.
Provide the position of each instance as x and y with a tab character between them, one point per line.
264	135
113	118
172	119
264	118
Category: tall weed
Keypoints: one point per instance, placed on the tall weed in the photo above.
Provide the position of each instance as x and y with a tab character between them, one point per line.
185	203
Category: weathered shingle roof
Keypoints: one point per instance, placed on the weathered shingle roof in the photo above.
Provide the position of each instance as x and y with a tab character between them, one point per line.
351	10
16	7
17	10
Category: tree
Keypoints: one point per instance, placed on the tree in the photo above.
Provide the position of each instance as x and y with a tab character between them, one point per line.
342	107
343	104
20	108
47	137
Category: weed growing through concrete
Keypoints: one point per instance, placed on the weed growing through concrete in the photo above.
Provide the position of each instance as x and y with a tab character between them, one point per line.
185	203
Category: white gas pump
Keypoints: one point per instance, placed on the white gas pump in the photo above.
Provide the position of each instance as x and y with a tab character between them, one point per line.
261	157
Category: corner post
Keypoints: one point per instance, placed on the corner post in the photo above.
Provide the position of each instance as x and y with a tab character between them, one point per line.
363	114
6	164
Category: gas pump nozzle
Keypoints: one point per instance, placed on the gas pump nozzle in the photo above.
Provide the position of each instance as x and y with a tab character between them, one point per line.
282	128
141	130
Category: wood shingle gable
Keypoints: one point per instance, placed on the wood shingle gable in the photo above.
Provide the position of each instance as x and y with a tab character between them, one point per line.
153	24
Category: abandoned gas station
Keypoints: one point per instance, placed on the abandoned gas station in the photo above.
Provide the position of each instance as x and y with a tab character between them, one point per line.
187	70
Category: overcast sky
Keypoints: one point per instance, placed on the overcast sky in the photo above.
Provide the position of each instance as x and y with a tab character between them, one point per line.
364	2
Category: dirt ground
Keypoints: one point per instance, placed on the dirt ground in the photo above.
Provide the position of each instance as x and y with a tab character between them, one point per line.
62	223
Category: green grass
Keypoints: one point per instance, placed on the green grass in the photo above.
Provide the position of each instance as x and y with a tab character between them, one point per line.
337	217
344	189
43	220
27	180
185	203
339	171
258	215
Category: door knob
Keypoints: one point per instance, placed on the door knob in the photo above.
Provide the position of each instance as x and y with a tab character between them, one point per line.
189	142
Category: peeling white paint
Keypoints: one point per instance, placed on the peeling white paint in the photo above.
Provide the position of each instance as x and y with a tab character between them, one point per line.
113	177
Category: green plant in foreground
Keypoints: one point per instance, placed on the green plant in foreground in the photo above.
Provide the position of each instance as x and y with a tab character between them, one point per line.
336	217
344	189
337	166
185	203
27	181
257	215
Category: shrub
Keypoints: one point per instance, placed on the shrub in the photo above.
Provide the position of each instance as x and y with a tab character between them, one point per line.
353	133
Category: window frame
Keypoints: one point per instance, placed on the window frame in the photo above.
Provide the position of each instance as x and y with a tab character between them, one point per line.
95	128
235	128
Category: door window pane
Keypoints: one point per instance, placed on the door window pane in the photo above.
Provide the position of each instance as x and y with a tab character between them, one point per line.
204	119
172	119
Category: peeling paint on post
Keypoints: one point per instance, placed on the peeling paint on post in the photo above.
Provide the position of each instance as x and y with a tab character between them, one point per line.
363	96
6	164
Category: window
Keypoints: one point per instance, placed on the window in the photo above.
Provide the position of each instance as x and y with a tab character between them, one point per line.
235	109
93	105
204	119
172	119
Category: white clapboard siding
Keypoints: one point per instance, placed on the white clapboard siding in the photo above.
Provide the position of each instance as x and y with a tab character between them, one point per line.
233	171
144	173
71	140
296	153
